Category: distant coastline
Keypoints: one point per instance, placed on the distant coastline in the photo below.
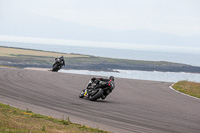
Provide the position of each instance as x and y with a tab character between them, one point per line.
189	58
85	62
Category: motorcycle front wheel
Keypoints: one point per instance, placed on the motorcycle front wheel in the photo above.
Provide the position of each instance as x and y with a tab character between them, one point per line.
82	94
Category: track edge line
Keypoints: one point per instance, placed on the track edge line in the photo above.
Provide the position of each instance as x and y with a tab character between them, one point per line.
182	93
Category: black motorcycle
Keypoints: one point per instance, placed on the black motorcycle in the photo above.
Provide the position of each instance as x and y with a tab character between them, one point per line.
59	63
98	89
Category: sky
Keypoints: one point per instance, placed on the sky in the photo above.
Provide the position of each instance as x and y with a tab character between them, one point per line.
131	22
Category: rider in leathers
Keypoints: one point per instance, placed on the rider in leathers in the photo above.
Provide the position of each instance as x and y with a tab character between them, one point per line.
61	59
100	83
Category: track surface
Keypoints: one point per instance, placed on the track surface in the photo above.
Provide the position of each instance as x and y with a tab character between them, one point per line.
134	106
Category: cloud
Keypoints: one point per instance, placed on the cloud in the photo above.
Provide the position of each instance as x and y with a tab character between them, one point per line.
167	16
174	17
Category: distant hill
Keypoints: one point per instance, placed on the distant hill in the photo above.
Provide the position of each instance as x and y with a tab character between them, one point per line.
28	24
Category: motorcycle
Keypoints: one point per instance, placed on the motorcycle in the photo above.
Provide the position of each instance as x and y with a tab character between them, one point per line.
97	89
59	62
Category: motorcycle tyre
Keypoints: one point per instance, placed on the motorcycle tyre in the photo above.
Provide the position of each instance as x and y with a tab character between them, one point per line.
55	68
97	95
81	94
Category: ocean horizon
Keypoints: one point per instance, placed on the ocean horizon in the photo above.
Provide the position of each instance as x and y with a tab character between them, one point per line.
146	55
140	75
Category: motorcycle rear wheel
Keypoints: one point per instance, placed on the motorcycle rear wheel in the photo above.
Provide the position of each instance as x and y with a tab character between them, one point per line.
55	68
97	95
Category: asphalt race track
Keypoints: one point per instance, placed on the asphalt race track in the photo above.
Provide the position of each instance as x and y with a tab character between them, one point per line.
134	106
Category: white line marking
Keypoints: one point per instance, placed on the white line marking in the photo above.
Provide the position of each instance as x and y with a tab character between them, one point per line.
182	93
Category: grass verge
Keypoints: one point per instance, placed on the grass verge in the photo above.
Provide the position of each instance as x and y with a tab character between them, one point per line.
7	66
13	52
25	121
23	58
190	88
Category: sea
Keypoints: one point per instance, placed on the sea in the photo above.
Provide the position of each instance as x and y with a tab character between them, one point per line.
190	58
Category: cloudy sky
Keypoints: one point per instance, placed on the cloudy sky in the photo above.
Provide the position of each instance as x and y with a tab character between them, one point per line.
147	22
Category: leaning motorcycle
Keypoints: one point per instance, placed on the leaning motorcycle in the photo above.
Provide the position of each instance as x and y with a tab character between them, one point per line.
94	91
57	65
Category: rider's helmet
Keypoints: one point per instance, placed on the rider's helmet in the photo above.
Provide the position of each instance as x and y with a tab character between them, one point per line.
112	78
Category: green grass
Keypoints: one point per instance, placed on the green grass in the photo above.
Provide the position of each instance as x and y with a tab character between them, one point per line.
7	66
23	58
12	52
190	88
13	120
32	57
